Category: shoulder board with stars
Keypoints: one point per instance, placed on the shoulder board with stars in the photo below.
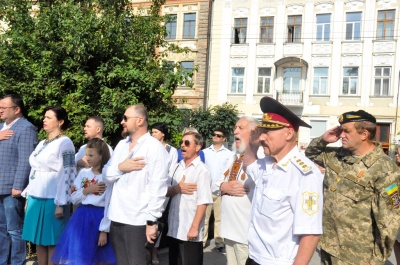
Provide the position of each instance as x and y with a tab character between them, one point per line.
302	165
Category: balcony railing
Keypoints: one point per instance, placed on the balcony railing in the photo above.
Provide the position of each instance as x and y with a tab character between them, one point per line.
290	97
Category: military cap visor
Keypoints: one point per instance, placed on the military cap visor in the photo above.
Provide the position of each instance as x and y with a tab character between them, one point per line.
277	116
355	116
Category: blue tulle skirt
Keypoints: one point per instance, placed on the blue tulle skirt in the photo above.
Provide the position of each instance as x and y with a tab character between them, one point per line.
78	242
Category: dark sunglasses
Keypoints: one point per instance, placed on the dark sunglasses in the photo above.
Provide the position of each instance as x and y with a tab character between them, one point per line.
126	118
186	142
218	135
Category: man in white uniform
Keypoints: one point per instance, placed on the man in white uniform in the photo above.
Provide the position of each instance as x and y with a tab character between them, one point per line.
237	190
188	204
139	192
286	217
216	159
94	127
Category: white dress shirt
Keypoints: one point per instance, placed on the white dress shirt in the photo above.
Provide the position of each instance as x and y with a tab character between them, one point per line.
138	195
216	161
184	206
287	204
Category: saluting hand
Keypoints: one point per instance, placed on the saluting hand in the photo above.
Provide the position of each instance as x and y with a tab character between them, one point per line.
332	135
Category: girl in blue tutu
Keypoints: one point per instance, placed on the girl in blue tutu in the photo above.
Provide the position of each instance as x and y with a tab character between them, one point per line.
85	240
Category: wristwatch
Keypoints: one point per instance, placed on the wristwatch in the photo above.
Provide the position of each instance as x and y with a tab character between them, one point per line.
151	222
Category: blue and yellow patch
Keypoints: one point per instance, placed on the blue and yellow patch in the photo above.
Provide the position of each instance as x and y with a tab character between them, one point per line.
393	192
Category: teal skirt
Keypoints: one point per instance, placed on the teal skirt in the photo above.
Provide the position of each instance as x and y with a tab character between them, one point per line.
41	226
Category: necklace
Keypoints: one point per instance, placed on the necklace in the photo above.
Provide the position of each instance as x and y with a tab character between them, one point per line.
46	142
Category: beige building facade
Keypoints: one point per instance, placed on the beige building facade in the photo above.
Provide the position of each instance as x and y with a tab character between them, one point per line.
319	58
189	29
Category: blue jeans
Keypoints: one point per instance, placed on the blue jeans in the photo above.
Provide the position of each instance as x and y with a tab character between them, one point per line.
11	222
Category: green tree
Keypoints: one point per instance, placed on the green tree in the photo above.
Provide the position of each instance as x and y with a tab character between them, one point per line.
220	116
92	57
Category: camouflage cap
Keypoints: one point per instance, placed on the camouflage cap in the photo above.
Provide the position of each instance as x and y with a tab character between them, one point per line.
354	116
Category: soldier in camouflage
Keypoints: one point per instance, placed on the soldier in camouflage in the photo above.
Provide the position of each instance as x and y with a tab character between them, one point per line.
361	197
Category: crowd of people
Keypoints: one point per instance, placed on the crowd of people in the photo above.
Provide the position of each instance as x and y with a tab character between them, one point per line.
270	208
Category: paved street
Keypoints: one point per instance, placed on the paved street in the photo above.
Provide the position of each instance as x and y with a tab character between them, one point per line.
213	257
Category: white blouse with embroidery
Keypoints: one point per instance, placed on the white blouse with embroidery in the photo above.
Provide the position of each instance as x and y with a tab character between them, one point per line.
52	171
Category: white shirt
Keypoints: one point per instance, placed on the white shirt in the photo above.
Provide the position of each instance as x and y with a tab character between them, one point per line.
85	178
138	195
52	171
183	206
216	161
82	152
235	211
8	126
287	203
173	157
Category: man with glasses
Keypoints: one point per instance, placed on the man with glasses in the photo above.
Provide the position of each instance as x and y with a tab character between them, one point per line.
286	215
138	170
18	140
216	159
190	194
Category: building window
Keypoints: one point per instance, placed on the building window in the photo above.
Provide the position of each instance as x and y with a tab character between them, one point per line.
189	25
350	80
240	31
171	27
291	79
323	27
320	86
382	135
187	67
353	26
264	81
385	29
237	80
318	128
294	28
267	29
382	81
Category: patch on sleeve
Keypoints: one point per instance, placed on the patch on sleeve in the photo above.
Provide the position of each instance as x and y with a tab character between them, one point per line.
310	202
393	192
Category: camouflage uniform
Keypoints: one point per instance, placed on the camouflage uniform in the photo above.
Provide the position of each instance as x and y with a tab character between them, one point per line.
360	219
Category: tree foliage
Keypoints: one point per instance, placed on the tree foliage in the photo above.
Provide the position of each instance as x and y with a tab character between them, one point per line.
206	121
93	57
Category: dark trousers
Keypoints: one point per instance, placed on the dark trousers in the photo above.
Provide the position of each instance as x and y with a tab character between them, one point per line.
249	261
128	243
185	252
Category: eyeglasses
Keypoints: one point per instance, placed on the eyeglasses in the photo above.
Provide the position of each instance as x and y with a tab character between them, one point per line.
4	108
186	142
218	135
126	118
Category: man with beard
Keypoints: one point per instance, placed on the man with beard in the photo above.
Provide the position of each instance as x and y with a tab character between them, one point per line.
237	189
286	216
360	190
94	127
139	189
